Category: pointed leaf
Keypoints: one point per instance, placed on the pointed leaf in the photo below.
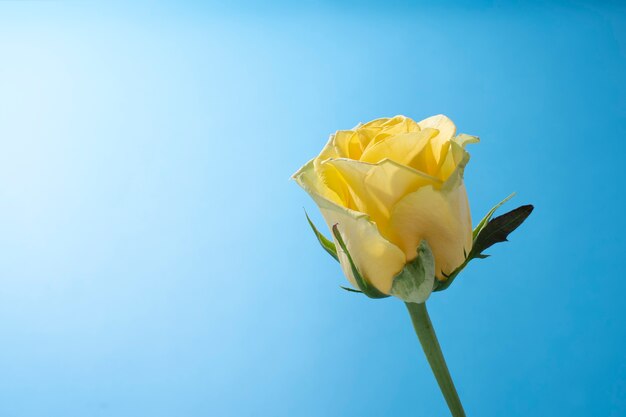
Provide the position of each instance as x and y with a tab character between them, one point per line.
499	228
494	231
364	286
326	243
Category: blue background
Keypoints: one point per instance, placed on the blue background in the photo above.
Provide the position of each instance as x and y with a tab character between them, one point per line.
154	256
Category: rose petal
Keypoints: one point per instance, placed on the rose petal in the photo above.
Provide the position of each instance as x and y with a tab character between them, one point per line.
442	218
438	144
307	178
377	187
405	148
451	167
381	129
378	260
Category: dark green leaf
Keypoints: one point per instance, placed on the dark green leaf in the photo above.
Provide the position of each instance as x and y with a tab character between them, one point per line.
489	232
498	229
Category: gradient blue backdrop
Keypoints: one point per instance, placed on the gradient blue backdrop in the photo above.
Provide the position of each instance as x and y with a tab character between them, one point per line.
154	256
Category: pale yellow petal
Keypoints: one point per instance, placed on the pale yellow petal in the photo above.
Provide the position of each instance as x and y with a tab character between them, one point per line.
378	260
312	183
440	122
377	187
449	163
329	151
456	158
446	129
443	124
354	176
400	124
341	144
405	148
464	139
442	218
376	123
350	143
329	177
384	128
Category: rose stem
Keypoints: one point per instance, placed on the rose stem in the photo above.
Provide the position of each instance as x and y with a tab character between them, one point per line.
427	337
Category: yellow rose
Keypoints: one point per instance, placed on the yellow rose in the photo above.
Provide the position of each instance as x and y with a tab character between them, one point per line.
388	185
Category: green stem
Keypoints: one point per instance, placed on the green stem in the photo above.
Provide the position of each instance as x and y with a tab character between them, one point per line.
426	334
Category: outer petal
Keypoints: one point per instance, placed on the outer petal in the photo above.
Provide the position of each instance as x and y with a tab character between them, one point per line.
442	217
439	144
378	260
314	185
330	177
376	188
446	129
453	165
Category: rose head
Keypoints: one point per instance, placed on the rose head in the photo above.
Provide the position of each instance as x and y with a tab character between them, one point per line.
392	193
389	185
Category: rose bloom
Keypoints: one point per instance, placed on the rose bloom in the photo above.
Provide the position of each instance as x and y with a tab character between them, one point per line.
388	184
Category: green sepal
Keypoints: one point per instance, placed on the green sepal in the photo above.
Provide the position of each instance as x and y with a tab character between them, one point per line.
363	285
489	232
481	225
415	282
350	289
326	243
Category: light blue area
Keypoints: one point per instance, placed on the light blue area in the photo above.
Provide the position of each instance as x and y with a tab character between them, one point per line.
155	259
